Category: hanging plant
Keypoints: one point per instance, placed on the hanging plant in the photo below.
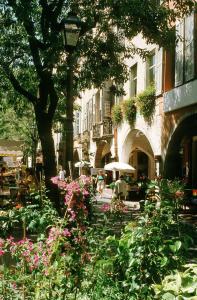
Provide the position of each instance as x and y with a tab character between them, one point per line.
117	116
129	111
146	102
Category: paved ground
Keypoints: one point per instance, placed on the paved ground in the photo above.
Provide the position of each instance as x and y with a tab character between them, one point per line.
107	196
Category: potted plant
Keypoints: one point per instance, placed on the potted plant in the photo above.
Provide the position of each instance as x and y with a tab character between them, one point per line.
129	111
145	102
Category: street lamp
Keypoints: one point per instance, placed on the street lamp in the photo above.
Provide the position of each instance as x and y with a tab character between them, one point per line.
71	27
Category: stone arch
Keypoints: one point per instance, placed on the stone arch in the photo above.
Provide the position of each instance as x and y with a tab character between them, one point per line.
182	149
135	143
103	150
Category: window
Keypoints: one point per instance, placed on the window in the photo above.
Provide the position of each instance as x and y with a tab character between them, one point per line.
150	69
97	107
189	47
159	71
90	119
133	81
184	51
77	123
179	54
154	70
85	121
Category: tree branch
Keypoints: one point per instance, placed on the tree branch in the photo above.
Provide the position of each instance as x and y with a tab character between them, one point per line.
57	10
16	85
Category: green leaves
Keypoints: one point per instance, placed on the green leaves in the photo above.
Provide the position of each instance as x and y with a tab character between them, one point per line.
179	285
176	246
117	116
130	111
146	102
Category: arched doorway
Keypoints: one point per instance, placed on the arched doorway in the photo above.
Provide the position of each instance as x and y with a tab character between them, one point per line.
141	160
138	152
181	156
103	154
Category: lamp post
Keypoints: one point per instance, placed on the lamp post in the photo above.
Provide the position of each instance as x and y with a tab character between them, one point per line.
71	27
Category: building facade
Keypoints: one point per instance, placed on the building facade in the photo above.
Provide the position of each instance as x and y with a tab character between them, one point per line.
179	132
168	144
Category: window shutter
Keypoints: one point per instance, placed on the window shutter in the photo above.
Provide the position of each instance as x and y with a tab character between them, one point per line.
159	71
87	116
90	113
94	110
179	54
147	79
133	81
189	47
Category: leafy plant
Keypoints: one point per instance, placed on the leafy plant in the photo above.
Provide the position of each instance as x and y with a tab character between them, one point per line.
146	251
75	262
117	116
178	285
145	101
35	217
129	111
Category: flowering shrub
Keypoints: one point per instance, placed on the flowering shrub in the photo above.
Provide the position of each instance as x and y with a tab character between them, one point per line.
74	262
77	198
58	259
116	207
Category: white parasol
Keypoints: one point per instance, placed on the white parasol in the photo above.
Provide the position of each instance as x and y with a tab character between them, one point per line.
82	163
119	166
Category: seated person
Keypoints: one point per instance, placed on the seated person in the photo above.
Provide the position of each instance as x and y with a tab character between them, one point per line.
121	188
26	184
29	181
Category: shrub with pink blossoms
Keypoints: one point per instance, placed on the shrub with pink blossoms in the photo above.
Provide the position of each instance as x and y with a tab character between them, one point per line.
77	198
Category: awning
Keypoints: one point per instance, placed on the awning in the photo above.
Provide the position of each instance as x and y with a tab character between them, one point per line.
11	148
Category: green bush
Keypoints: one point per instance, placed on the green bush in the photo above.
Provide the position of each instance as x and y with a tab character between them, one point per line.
146	103
178	285
129	111
117	115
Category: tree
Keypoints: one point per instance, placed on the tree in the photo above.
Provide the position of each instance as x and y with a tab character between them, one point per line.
34	61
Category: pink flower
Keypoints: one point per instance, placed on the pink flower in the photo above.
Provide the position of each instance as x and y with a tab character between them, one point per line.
125	209
2	252
36	259
105	207
2	242
66	232
72	215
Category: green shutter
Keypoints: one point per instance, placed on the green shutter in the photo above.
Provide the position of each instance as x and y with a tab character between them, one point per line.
189	47
179	54
158	70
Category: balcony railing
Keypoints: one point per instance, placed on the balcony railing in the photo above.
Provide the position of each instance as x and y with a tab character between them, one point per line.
107	127
96	128
102	130
181	96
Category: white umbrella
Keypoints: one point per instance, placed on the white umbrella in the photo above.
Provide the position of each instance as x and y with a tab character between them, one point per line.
82	163
119	166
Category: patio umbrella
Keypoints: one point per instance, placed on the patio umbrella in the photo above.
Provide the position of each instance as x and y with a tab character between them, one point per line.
119	166
82	163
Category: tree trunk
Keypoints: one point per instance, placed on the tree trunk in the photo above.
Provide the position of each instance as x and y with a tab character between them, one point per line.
44	124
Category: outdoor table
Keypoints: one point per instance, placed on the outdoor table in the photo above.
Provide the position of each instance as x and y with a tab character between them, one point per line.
4	195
